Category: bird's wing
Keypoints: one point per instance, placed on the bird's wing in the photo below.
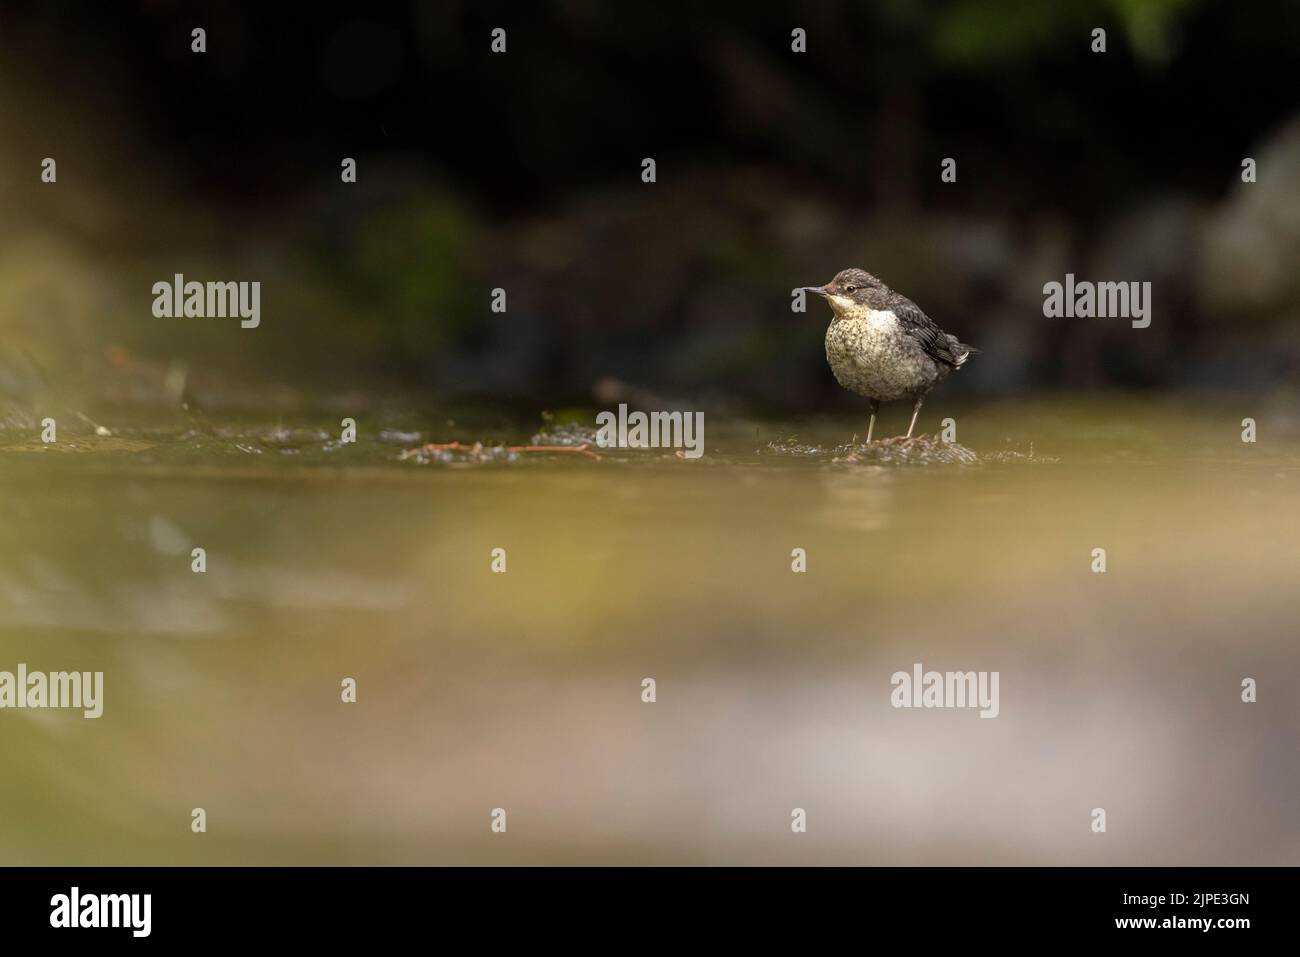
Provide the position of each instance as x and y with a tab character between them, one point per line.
938	345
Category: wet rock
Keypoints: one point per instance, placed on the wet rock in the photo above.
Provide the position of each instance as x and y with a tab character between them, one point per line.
897	450
1250	247
900	450
570	433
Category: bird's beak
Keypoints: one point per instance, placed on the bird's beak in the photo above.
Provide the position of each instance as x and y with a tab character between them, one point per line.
820	290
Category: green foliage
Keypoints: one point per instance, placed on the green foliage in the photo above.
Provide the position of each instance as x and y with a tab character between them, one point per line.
993	33
405	272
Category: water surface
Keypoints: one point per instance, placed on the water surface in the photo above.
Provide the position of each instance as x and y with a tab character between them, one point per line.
523	690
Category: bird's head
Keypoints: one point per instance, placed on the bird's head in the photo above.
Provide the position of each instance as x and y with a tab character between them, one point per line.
851	289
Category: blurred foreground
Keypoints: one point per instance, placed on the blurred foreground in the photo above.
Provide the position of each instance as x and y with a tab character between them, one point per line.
522	690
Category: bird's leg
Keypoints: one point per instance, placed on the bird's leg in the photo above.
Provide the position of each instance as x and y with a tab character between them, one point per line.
875	407
916	410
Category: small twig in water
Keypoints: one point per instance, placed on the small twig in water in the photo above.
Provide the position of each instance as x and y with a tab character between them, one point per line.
583	449
477	449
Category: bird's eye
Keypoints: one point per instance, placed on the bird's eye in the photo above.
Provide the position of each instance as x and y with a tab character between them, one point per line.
850	288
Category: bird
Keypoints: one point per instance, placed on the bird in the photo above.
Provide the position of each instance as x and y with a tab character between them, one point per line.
882	346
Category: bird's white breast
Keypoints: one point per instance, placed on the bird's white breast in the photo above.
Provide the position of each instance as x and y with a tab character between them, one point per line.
882	321
871	354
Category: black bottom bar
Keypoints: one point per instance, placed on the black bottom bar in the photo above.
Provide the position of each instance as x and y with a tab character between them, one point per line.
977	906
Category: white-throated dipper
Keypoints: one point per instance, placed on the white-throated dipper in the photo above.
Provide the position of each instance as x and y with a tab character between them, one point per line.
882	346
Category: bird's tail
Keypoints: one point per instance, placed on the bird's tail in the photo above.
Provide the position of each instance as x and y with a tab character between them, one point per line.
962	351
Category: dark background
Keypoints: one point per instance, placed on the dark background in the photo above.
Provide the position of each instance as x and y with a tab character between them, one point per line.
522	170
